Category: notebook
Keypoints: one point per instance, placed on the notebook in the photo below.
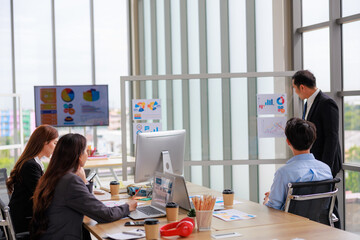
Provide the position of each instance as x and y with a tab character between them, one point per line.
162	193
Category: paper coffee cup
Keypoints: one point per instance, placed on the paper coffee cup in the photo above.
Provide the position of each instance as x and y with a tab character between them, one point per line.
114	187
172	211
228	197
151	228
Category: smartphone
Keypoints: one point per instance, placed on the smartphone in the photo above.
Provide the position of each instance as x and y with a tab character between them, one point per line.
91	176
139	223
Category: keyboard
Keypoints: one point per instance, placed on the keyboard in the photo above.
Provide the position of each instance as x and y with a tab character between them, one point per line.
148	210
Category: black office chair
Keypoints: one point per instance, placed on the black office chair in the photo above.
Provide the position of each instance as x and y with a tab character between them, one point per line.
313	200
5	219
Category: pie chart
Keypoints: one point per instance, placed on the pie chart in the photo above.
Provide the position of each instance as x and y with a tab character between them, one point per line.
67	95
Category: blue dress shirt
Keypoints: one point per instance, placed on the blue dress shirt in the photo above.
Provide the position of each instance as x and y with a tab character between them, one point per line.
300	168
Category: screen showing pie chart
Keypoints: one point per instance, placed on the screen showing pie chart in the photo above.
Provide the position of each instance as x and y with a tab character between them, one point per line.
67	95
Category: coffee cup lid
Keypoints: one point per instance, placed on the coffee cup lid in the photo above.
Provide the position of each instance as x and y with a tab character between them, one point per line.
228	191
114	183
171	205
151	221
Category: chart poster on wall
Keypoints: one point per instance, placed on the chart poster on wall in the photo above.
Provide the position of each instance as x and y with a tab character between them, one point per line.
146	109
271	104
271	127
81	105
145	127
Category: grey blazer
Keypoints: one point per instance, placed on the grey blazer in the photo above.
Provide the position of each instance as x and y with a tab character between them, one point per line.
72	200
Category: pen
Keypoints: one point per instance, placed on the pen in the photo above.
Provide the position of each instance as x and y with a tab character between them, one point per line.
134	233
224	234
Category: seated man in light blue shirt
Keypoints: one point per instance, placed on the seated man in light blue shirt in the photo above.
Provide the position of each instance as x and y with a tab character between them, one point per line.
303	167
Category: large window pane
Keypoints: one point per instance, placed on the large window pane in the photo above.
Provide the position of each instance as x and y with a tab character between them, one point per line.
314	11
111	62
350	7
33	49
214	92
317	56
73	53
194	89
5	48
351	55
352	129
239	96
352	200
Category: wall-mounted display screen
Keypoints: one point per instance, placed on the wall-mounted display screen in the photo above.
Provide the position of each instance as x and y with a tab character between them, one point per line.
68	106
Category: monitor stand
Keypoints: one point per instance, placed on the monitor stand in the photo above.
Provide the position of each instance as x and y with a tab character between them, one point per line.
167	166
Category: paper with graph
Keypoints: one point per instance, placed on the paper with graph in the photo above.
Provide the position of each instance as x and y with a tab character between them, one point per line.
270	127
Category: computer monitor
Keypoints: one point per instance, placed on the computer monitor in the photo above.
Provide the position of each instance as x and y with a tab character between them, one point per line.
155	149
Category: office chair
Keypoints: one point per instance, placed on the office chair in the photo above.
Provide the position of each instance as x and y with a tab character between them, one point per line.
5	219
313	200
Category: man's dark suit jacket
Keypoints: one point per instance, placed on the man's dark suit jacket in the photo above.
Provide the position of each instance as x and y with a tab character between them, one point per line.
21	203
72	200
324	113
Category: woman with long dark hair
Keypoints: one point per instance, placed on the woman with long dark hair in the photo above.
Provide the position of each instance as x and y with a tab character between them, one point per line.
61	198
26	173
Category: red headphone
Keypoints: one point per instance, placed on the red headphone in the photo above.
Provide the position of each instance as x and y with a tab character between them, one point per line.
183	228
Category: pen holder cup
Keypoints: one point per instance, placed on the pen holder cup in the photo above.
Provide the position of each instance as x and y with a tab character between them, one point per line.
203	220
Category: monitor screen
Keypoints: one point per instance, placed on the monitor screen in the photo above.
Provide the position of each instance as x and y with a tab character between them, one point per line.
68	106
149	147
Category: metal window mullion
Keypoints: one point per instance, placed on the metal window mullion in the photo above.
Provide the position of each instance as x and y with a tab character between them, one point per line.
53	41
348	93
252	89
154	57
336	84
168	67
313	27
141	29
352	18
226	93
185	83
92	50
204	93
16	139
297	51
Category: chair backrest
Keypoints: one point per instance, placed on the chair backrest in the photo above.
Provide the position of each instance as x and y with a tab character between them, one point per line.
313	200
5	219
4	194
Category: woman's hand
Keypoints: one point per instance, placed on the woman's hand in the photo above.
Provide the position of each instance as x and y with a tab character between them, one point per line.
81	173
132	205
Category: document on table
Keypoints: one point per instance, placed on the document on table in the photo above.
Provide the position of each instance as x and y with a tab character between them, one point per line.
232	215
133	234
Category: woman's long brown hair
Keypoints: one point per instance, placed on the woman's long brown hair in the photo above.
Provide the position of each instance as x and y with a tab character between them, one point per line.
64	159
41	136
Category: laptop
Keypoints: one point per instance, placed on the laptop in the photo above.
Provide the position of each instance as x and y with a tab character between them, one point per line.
161	194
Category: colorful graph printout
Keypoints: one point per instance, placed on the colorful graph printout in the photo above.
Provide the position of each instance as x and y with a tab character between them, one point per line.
272	104
146	109
145	127
232	215
270	127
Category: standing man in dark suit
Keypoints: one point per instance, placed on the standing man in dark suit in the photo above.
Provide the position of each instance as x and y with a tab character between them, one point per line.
321	110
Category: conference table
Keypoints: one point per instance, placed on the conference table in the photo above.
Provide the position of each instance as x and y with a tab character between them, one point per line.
268	223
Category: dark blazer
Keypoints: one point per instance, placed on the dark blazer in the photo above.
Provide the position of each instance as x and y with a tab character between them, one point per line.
21	202
324	113
72	200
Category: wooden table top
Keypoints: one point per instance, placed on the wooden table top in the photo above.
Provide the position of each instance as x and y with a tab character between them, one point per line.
268	223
